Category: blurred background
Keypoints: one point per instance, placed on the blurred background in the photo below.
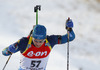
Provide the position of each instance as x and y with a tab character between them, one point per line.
17	18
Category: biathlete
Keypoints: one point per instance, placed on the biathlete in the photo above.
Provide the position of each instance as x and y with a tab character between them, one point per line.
35	48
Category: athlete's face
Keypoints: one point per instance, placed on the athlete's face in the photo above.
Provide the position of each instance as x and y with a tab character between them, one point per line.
38	43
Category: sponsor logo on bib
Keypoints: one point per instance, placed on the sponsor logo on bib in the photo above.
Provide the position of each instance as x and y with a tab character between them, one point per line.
31	53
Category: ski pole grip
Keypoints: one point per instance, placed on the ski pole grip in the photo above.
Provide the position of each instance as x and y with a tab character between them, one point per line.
37	7
68	19
66	22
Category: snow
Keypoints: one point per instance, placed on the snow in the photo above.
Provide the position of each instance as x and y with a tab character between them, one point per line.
17	18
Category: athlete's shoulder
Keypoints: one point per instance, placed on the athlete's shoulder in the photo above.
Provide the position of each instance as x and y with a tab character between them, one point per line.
23	40
22	43
52	36
52	39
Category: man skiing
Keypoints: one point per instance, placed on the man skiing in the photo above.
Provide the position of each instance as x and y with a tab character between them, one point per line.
35	48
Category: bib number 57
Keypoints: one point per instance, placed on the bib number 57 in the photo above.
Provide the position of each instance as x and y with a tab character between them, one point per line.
35	63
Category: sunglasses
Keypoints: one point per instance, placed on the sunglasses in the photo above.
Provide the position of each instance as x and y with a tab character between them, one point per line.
39	41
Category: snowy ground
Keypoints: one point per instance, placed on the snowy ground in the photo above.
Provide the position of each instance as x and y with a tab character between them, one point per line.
17	18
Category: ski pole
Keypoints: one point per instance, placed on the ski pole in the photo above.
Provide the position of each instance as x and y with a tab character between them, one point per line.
6	62
36	8
68	46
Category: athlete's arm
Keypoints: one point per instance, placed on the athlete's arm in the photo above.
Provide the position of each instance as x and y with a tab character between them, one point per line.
60	39
18	46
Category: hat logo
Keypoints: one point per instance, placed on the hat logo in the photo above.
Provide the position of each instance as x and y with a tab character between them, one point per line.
38	35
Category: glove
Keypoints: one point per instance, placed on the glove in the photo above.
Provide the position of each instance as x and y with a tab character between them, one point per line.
6	52
69	24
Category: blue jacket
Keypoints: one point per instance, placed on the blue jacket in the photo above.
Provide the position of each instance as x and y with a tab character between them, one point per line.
22	43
